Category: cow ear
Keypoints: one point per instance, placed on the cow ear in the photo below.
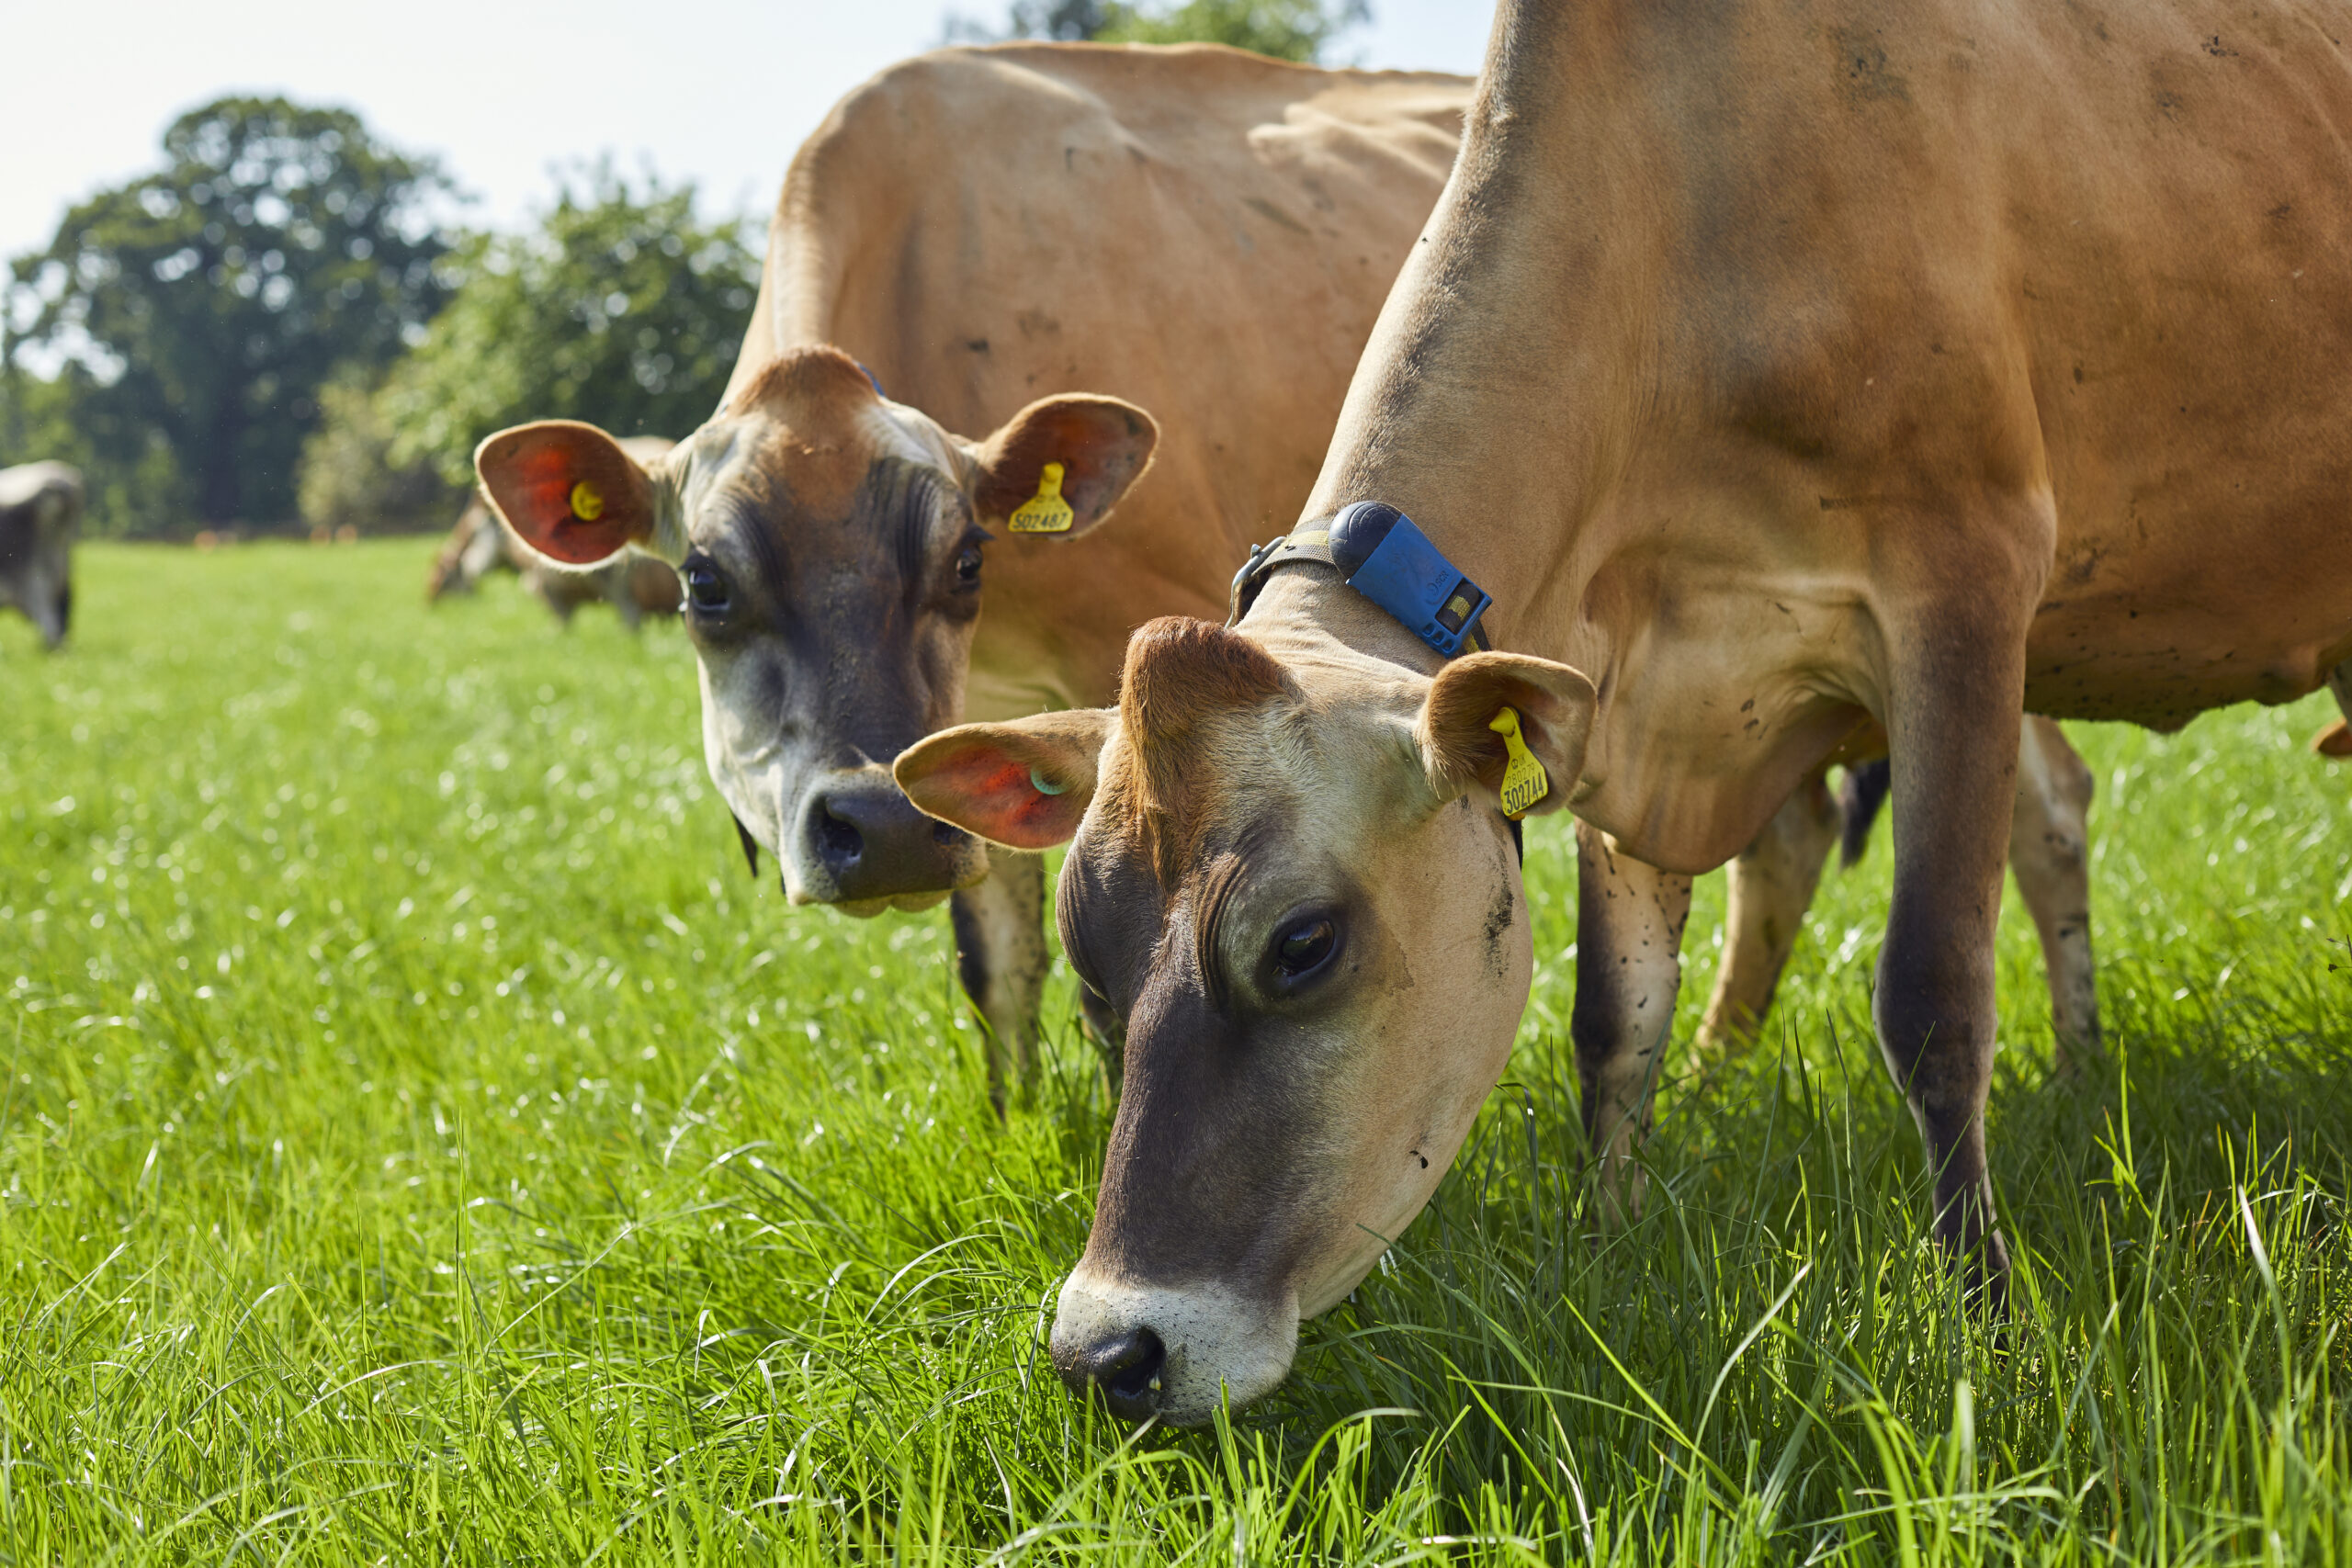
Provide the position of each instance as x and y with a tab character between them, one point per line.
1101	444
2336	741
1553	705
1024	785
567	490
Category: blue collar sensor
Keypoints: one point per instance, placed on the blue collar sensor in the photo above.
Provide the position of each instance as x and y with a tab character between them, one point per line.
1383	555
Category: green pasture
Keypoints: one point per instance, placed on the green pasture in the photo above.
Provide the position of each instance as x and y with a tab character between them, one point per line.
422	1143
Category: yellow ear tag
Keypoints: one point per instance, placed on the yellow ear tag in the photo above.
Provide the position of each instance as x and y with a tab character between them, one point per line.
1524	780
587	501
1045	512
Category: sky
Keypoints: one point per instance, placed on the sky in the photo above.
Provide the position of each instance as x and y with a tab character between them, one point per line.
506	91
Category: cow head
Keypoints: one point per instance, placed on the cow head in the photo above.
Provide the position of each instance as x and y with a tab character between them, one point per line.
1290	875
831	543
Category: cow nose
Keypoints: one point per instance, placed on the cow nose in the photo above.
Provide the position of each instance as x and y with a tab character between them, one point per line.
1123	1370
840	841
867	841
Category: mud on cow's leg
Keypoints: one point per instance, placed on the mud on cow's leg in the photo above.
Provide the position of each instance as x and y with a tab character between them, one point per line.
1629	967
1000	958
1770	885
1955	690
2050	854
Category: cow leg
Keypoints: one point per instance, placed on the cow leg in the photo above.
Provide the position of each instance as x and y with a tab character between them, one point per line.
1629	966
2049	855
2336	741
1001	957
1955	699
47	608
1772	884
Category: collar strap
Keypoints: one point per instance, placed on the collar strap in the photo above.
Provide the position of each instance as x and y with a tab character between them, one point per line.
1379	552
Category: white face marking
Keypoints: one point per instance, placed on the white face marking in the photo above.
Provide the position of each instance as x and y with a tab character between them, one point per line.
1237	1202
1218	1345
802	710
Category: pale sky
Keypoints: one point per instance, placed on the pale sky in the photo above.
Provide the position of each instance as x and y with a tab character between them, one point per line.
721	91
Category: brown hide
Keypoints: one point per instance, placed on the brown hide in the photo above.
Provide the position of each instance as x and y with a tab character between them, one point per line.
981	228
1755	344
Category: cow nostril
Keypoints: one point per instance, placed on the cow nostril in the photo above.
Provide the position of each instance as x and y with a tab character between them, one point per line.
1126	1371
1140	1376
838	840
948	836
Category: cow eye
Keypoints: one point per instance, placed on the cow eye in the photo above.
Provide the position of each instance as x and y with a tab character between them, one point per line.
968	565
706	587
1306	946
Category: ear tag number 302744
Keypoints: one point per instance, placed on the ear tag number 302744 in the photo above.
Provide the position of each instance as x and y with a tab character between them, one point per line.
1045	512
587	501
1524	780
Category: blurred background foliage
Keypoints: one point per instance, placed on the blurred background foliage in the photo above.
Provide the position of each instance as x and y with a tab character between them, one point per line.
634	309
283	324
190	315
1288	29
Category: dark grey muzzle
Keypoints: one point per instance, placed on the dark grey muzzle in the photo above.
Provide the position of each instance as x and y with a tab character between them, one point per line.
860	839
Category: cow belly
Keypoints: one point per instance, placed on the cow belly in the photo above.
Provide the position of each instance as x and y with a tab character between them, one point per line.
2175	609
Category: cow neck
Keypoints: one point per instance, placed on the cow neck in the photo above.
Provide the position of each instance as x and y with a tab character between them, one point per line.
1309	616
1506	384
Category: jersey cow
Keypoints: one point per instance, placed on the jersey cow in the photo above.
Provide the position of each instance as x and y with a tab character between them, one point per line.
1779	370
40	509
1025	247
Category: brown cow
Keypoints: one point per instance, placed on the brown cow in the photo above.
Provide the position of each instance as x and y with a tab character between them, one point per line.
973	230
1780	371
635	585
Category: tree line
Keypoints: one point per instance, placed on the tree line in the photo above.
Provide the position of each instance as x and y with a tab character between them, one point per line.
279	326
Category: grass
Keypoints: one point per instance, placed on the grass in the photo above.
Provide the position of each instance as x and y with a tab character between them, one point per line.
420	1143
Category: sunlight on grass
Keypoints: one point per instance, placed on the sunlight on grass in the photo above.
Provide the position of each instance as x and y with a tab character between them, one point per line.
421	1143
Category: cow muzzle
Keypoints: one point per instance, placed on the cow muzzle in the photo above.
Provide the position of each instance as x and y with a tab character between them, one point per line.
1176	1353
860	845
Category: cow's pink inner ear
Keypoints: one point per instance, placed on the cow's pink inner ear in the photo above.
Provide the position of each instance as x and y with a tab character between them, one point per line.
1555	706
994	795
567	490
1102	444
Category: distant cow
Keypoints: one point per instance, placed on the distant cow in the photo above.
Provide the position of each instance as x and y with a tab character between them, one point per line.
635	585
41	511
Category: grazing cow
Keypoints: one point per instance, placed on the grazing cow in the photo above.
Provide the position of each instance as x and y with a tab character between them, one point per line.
970	232
40	509
634	585
1780	371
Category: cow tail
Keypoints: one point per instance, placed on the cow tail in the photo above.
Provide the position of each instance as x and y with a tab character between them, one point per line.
1861	795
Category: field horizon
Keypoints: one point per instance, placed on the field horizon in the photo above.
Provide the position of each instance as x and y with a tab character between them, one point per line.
421	1142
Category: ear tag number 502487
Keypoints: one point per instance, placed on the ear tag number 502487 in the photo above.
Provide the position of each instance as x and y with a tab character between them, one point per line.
1524	780
1045	512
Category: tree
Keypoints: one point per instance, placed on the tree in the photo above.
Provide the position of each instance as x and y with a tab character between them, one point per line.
621	308
349	478
208	300
1287	29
